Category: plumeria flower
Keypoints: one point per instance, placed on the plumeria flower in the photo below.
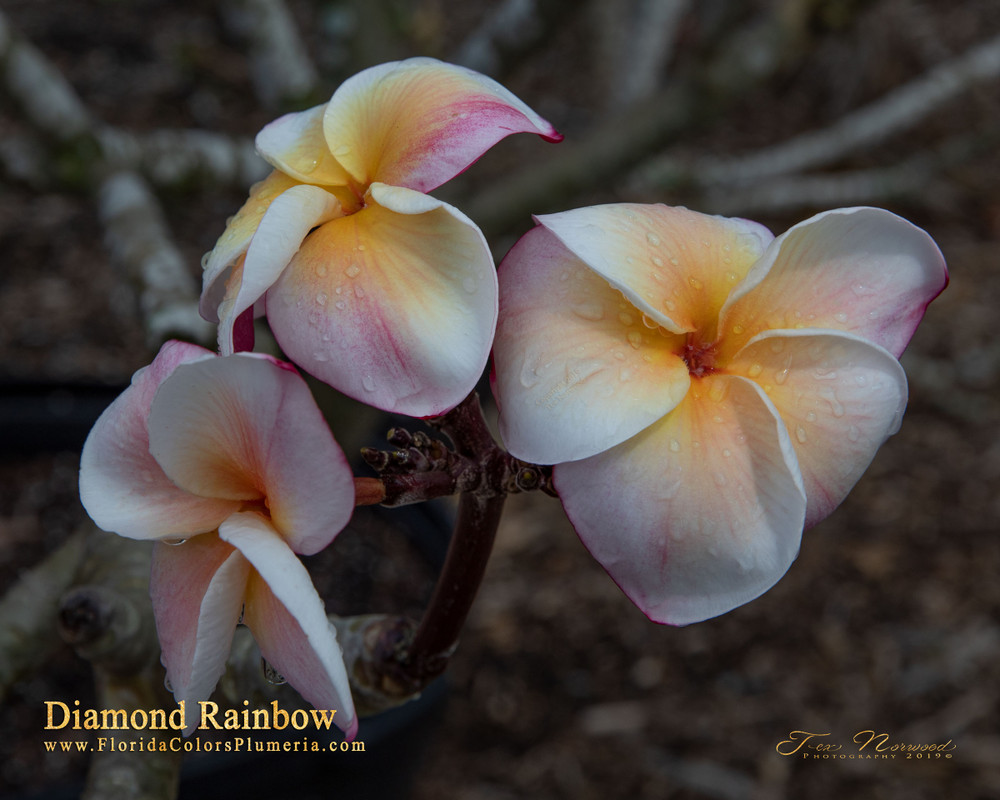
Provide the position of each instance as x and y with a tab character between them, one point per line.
227	464
368	283
705	390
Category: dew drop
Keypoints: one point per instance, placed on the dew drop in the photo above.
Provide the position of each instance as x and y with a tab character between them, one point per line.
861	380
310	166
321	270
674	261
853	433
657	261
732	277
653	239
352	271
359	292
341	305
368	383
737	329
755	370
342	150
800	434
717	419
321	298
529	376
675	446
652	324
634	339
719	479
726	452
624	375
589	310
695	283
625	318
619	355
470	284
669	305
174	542
777	345
320	356
564	276
781	376
167	684
840	316
811	416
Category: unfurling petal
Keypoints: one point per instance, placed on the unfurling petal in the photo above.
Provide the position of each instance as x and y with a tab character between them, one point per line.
677	266
295	144
568	346
122	486
197	590
394	305
279	235
418	123
859	270
245	427
235	240
699	513
288	621
840	397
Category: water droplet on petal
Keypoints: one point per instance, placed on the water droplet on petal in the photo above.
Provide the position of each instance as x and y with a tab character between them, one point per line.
840	316
470	284
352	271
755	370
726	452
657	261
321	298
853	433
800	434
653	239
695	283
167	684
341	305
811	416
719	479
368	383
669	305
359	292
675	446
589	310
309	166
618	354
174	542
342	150
625	318
634	339
321	270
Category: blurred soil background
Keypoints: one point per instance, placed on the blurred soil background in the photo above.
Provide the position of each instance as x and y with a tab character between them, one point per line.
889	620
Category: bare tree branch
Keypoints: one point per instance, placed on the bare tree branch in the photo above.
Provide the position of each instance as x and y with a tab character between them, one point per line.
282	71
137	237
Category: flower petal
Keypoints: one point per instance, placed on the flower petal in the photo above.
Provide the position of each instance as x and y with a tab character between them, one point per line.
699	513
122	486
840	396
860	270
288	620
235	240
279	235
295	144
418	123
675	265
197	589
577	368
395	305
246	427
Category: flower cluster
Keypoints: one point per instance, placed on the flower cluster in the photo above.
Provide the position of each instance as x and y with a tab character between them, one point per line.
704	390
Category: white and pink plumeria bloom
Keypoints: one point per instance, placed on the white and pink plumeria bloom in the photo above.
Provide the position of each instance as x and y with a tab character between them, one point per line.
227	464
705	390
369	283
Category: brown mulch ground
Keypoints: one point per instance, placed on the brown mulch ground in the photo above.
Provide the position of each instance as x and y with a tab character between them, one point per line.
890	619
